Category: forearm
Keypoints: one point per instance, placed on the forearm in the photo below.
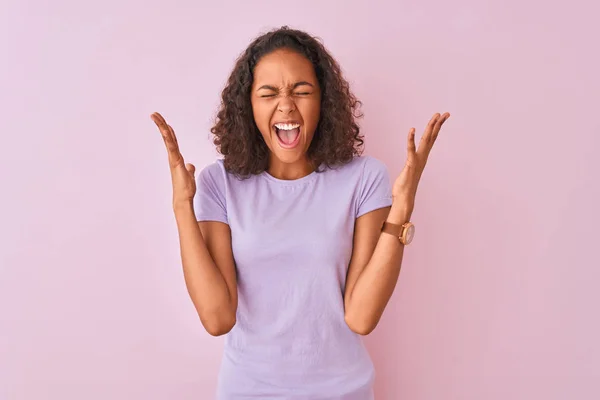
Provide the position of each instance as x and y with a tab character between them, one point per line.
375	284
204	281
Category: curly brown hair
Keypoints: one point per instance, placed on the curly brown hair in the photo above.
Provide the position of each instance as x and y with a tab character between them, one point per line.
337	139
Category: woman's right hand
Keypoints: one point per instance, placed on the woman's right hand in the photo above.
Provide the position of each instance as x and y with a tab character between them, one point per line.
182	175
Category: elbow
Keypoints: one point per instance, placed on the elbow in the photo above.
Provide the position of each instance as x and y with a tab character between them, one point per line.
218	330
219	325
360	324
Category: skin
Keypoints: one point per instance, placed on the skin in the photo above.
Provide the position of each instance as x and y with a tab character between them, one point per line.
285	88
205	247
207	258
376	256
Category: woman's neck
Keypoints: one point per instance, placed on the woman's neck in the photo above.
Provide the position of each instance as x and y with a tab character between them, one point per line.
290	171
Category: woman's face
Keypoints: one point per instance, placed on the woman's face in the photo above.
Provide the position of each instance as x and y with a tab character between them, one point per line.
286	102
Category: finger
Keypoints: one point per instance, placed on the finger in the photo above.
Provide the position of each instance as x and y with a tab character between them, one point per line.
191	169
411	141
426	139
174	155
165	129
167	133
411	147
162	125
159	121
433	120
438	125
170	140
172	132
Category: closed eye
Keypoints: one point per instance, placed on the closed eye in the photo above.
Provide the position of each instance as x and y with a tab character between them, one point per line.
302	93
268	95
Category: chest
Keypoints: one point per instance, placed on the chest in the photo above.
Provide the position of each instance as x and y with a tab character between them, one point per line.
291	228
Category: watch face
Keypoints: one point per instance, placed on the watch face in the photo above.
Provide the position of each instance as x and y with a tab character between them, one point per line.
410	234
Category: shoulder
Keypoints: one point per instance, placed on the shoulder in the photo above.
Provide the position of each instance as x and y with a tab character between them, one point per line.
215	173
371	165
374	189
373	172
210	200
212	178
214	169
364	167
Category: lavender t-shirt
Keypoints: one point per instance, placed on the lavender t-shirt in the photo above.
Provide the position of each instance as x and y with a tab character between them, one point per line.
292	244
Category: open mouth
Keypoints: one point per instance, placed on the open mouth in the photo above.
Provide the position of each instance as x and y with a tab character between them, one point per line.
288	134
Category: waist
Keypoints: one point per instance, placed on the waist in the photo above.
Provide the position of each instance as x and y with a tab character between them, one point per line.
308	348
269	369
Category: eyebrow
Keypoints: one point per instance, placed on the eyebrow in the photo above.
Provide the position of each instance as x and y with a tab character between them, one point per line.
273	88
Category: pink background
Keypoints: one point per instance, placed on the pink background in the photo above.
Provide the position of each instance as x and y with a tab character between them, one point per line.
498	297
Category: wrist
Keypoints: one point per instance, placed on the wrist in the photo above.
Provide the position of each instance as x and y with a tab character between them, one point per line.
183	205
184	213
400	212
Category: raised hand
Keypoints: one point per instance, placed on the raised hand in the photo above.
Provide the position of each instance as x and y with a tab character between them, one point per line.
405	186
182	175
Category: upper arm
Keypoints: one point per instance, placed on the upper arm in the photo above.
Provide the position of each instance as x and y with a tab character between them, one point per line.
210	207
366	234
217	236
373	202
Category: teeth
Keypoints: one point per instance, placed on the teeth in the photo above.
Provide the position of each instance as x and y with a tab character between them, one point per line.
287	127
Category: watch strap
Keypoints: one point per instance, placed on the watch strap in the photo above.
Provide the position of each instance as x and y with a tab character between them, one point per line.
393	229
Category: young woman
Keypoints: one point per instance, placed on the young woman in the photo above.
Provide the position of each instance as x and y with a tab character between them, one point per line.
292	243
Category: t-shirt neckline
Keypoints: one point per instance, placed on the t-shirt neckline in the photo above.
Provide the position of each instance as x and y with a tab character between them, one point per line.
290	182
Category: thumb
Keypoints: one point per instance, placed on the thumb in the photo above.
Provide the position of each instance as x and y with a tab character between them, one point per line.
191	169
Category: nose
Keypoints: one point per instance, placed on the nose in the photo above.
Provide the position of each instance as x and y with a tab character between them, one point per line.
286	105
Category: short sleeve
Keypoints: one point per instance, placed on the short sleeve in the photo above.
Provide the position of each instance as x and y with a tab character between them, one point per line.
210	201
375	190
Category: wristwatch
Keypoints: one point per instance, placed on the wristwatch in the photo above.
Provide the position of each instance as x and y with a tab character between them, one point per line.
404	232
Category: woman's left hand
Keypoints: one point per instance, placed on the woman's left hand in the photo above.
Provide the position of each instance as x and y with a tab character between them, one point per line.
405	186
